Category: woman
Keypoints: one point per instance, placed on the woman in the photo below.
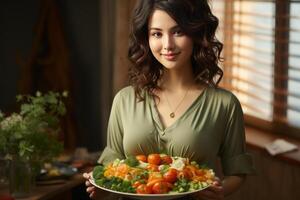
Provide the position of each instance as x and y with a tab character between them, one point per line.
173	103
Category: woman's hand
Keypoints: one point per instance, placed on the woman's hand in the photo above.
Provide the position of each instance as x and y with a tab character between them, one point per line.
214	192
90	188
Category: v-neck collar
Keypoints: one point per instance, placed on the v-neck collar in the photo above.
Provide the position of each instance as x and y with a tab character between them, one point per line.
155	113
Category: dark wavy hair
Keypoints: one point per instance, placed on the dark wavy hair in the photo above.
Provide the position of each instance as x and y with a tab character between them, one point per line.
196	20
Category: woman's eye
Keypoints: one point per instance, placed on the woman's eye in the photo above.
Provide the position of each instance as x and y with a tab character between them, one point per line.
178	33
156	34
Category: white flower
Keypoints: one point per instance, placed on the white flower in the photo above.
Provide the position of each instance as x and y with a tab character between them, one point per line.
38	94
65	94
10	121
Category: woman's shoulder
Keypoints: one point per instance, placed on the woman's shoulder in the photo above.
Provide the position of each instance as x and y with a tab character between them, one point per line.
220	91
125	93
128	90
223	95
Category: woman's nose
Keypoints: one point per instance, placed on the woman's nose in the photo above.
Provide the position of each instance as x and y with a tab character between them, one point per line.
168	42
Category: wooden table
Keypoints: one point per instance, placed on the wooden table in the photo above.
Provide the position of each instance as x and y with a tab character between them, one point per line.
61	191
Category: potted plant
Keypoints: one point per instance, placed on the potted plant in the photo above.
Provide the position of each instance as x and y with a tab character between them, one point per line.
29	138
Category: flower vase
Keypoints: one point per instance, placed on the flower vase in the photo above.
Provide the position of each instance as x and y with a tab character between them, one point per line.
21	178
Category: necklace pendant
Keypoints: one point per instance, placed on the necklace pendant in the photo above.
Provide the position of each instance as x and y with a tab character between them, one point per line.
172	114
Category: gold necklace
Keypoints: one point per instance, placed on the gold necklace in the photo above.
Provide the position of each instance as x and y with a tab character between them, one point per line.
172	114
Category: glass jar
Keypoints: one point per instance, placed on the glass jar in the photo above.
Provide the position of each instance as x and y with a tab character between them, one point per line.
21	178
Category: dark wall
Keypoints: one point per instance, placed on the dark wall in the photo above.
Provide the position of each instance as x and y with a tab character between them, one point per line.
80	19
17	20
81	24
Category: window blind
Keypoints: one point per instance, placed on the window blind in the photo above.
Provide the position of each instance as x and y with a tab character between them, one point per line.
262	60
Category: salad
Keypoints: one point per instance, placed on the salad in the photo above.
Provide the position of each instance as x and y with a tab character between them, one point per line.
153	174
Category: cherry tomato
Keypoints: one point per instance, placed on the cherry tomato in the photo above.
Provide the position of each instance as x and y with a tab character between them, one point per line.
136	184
142	158
143	189
166	160
200	172
187	173
152	167
154	176
160	188
171	175
154	159
123	168
152	182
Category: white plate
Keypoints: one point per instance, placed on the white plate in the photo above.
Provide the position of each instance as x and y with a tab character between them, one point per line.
148	196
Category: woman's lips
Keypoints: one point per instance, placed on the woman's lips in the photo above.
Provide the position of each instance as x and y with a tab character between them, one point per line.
170	56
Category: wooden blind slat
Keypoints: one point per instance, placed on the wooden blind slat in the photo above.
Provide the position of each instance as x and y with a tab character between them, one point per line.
261	57
279	92
264	101
267	39
254	49
264	74
256	60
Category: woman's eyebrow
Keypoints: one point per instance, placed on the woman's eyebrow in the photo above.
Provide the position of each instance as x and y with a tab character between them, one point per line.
176	27
156	29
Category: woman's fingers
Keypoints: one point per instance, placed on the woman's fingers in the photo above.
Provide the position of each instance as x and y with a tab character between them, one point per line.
217	181
88	183
86	175
214	192
92	195
216	189
207	195
90	189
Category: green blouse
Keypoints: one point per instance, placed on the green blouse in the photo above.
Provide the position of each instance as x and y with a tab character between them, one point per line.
211	127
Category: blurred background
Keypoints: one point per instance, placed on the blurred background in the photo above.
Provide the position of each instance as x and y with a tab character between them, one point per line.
81	46
66	45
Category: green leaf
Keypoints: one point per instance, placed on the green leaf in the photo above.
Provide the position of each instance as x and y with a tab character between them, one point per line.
51	99
131	161
98	172
19	98
1	115
25	108
61	109
32	133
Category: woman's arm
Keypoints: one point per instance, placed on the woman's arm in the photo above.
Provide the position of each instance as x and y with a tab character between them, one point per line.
114	147
232	183
94	193
219	190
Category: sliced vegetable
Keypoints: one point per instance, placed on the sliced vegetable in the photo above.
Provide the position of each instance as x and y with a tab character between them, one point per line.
98	172
166	159
133	175
131	161
142	158
171	175
161	187
154	159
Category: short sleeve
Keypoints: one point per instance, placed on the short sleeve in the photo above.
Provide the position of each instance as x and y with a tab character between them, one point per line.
234	158
114	148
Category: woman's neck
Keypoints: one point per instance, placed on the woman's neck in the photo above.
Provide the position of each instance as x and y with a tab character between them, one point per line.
177	80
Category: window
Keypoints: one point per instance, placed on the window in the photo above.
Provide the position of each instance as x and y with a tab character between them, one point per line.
262	60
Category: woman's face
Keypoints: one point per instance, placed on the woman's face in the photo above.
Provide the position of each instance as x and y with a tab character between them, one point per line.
169	45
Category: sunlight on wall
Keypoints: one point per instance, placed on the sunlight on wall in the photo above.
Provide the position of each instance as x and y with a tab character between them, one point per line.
294	67
252	69
253	53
